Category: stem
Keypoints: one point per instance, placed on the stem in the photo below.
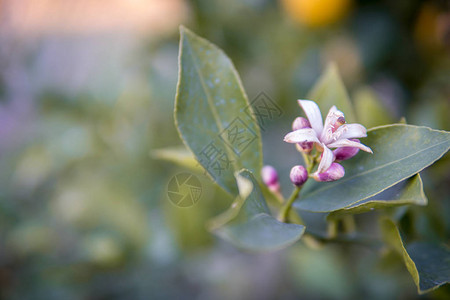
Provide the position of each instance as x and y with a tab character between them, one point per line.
284	211
349	224
286	208
312	164
306	159
332	229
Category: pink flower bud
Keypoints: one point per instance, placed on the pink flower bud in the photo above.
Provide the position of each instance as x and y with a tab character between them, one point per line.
300	123
334	172
344	153
298	175
305	146
270	177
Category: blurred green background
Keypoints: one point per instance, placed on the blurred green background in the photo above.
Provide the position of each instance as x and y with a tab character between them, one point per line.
86	93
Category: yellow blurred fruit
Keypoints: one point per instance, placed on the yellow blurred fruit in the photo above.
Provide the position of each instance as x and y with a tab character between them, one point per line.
432	28
317	13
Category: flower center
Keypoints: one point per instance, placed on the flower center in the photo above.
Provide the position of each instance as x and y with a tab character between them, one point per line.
339	122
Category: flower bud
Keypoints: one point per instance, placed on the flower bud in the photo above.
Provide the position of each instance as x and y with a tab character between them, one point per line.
298	175
344	153
300	123
305	146
270	178
334	172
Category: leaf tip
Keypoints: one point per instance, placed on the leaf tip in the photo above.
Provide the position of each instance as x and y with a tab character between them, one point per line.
331	67
184	31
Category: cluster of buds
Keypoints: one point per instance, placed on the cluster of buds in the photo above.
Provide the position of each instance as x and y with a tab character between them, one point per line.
315	140
334	133
269	175
311	133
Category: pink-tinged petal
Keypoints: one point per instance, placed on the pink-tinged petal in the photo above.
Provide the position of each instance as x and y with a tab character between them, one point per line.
312	111
300	123
350	131
344	153
332	110
330	125
348	143
326	161
301	135
334	172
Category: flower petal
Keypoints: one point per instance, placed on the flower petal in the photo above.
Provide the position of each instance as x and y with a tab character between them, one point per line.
301	135
312	111
348	143
329	127
332	110
350	131
326	161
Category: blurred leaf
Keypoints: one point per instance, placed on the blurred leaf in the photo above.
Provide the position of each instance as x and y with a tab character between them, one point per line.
428	264
370	110
103	249
213	114
31	237
319	272
329	90
409	191
248	223
400	151
79	198
432	262
179	156
315	223
431	111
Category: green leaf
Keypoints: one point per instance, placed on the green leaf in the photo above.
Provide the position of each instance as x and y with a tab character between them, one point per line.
212	112
409	191
329	90
432	262
179	156
428	264
370	110
400	151
248	224
315	223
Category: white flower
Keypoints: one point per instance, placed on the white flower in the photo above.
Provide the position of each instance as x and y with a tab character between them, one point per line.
333	134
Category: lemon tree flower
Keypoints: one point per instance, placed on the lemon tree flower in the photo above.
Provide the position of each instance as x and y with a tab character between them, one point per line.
334	133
